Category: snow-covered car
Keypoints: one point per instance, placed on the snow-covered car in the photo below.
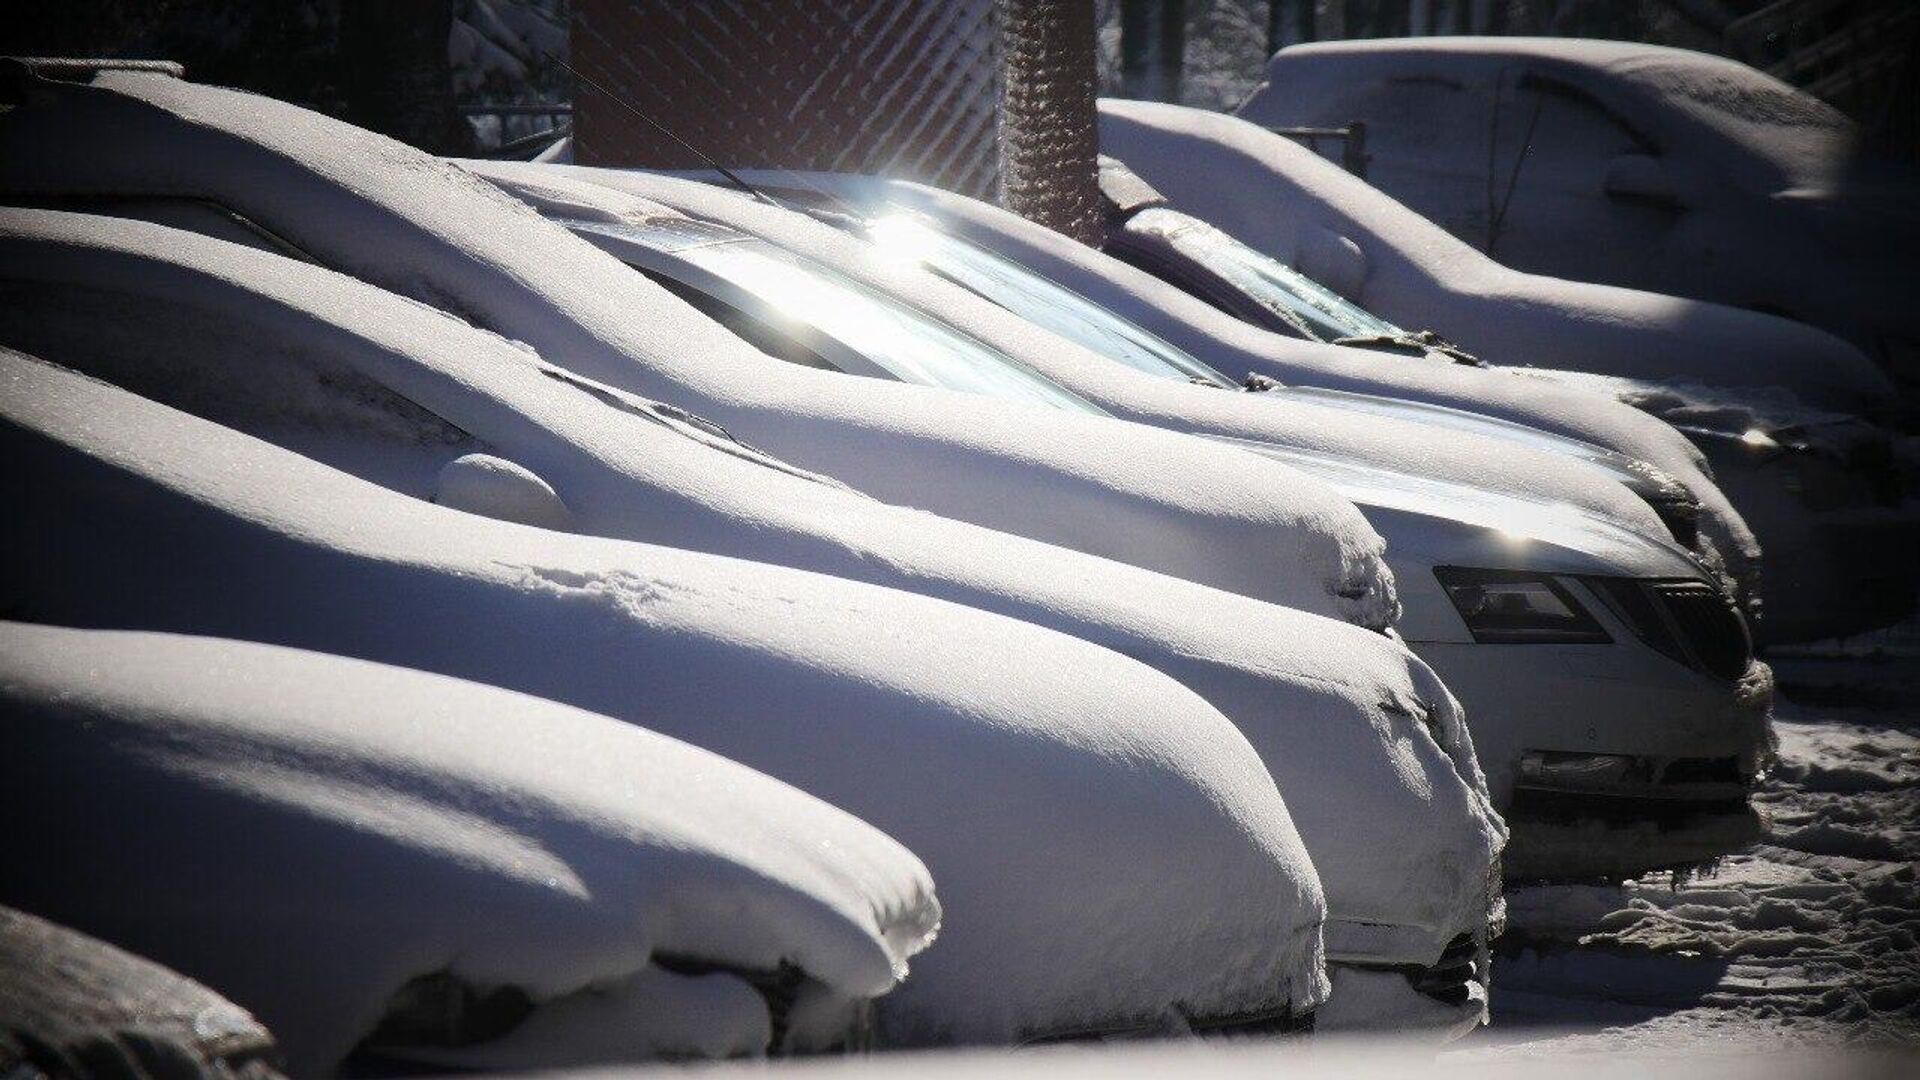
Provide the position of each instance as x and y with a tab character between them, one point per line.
1829	495
1690	697
1110	851
1638	165
377	210
1285	201
407	867
869	304
323	364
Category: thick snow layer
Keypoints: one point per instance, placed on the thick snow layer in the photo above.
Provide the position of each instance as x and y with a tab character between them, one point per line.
308	834
1237	348
1346	720
1650	167
426	229
1288	202
1415	449
1108	847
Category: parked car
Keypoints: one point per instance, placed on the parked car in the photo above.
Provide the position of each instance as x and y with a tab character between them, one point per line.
1287	202
398	867
805	290
1638	165
1439	535
502	433
372	208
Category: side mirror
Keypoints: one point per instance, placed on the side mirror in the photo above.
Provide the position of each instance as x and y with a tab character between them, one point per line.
1643	179
1333	260
496	488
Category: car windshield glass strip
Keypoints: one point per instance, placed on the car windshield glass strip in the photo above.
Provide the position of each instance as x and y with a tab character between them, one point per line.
1273	284
908	345
1037	299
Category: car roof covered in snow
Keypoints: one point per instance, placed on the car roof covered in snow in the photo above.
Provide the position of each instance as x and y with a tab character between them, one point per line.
425	228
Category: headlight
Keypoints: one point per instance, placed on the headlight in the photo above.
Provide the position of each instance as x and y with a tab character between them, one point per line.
1506	607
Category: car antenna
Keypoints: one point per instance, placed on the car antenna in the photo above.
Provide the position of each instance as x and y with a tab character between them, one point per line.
663	129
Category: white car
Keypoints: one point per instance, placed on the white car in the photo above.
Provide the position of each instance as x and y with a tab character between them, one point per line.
1829	495
405	868
237	336
1463	548
1287	202
1111	852
868	304
369	207
1655	168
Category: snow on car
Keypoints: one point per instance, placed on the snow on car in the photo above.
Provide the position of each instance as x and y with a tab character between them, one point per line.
1287	202
1638	165
1360	732
1671	728
1110	851
385	213
406	867
871	304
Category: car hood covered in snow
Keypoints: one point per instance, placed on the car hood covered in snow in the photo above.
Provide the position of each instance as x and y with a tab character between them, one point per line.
1357	731
388	214
1387	442
1290	203
1107	845
314	835
1236	347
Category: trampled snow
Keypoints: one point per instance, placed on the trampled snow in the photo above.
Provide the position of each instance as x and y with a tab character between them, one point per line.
424	228
309	835
1415	449
1290	203
1358	732
1108	847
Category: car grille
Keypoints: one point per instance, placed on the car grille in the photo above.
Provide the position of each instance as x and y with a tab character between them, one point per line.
1452	978
1690	621
1707	625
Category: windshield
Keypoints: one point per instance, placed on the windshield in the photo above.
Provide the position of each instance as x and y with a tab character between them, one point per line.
895	338
1313	310
1037	299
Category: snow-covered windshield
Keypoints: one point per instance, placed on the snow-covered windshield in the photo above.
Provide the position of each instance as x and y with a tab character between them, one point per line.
1037	299
1317	312
896	339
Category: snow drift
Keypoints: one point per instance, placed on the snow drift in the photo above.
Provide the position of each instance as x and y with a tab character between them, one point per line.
1307	212
319	838
388	214
1358	732
1109	848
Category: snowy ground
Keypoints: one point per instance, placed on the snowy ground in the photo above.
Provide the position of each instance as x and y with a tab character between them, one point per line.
1808	939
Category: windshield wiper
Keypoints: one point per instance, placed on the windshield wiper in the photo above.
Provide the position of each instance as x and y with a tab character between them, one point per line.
1424	340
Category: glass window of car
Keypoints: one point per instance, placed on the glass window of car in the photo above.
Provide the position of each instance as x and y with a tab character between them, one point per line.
1311	309
781	302
1037	299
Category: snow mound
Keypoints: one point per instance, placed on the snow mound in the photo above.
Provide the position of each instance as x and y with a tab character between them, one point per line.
426	229
1109	847
310	835
1358	732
